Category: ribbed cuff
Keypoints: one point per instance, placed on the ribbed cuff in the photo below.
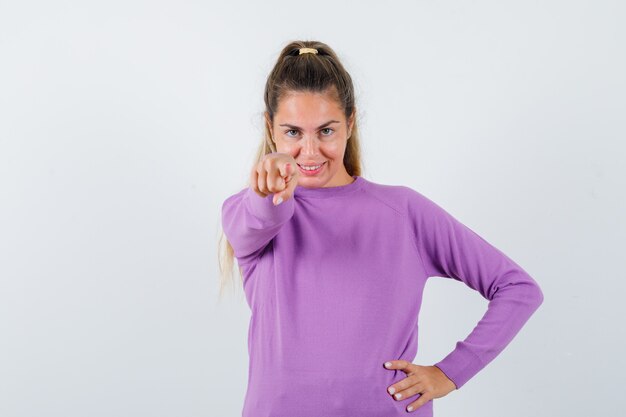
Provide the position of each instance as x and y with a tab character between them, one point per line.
460	365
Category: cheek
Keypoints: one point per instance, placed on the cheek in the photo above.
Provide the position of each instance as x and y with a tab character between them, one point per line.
334	150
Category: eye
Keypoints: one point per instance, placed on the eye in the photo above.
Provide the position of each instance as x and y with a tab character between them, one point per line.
291	130
328	128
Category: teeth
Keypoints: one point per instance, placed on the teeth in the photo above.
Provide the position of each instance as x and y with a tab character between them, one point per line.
311	168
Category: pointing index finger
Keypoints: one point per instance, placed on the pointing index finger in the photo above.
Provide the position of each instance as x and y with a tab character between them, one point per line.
285	169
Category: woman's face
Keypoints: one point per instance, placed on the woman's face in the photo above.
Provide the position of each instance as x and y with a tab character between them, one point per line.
312	128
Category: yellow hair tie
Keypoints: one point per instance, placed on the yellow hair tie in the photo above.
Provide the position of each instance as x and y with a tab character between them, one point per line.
307	51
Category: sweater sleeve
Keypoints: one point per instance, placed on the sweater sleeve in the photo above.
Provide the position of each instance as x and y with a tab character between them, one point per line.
250	221
450	249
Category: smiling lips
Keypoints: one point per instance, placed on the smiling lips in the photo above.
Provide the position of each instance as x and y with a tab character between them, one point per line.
311	168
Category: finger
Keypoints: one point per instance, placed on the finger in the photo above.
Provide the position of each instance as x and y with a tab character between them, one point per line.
291	178
284	195
275	181
423	399
285	169
288	172
399	364
254	184
262	178
402	385
288	192
277	199
411	390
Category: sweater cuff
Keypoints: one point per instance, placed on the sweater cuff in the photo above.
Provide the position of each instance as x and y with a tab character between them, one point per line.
460	365
264	209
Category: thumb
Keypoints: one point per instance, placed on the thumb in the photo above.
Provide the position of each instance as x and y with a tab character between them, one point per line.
278	198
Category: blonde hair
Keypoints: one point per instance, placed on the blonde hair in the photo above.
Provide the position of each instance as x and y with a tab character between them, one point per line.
318	73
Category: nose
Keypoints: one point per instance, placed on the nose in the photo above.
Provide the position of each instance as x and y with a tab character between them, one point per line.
310	145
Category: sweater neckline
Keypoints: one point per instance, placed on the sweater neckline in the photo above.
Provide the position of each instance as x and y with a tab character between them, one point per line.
323	192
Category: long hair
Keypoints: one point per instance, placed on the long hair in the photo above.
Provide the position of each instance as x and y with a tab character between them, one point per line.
316	73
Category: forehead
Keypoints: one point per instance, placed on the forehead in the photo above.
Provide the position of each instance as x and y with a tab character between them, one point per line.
307	108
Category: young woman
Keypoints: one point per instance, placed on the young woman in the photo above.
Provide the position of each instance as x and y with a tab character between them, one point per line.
334	265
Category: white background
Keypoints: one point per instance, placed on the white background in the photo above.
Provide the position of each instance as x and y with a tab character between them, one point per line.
125	124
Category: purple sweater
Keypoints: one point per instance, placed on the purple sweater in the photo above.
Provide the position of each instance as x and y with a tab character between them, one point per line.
334	278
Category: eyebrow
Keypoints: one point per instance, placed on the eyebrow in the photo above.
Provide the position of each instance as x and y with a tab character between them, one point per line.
319	127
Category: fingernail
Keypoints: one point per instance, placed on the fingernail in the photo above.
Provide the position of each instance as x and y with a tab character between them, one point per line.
391	390
387	364
280	200
410	408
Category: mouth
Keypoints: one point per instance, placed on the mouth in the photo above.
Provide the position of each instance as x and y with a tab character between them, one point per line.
312	169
